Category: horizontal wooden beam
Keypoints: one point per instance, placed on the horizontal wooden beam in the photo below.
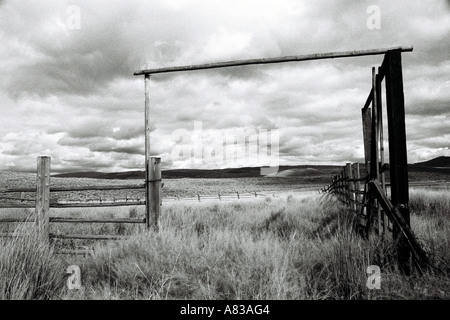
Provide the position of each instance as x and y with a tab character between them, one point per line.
95	220
77	220
10	205
11	219
85	188
87	236
74	251
6	235
11	190
236	63
81	188
96	204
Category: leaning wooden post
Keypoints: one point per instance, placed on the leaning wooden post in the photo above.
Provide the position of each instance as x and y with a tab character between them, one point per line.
155	192
397	148
43	197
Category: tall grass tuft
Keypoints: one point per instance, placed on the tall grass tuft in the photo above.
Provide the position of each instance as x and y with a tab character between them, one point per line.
430	202
430	213
28	269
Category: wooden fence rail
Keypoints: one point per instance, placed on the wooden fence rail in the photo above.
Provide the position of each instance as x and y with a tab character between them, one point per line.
74	188
42	204
39	199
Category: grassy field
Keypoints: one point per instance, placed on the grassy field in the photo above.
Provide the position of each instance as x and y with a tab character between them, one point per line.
292	246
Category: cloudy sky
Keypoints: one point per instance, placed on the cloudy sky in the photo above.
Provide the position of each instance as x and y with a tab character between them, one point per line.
67	88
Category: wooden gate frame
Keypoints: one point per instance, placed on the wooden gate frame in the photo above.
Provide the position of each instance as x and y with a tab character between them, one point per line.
392	69
376	205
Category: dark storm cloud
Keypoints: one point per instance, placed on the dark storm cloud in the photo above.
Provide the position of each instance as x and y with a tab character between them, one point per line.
101	144
425	107
82	164
98	127
112	147
109	44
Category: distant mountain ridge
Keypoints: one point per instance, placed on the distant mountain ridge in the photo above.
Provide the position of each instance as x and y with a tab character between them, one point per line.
247	172
439	162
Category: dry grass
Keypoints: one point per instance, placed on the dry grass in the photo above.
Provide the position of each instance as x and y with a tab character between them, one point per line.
28	268
290	247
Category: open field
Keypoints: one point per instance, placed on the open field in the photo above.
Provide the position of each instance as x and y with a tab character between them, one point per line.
297	246
289	242
289	180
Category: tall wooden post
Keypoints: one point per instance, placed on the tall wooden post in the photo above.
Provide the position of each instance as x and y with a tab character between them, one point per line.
372	209
376	124
152	171
382	216
147	152
374	133
397	147
43	197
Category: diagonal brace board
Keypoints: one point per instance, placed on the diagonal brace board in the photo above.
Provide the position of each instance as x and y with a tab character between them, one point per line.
395	215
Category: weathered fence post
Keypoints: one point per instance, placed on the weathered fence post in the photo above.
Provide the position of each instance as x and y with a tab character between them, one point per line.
154	196
152	171
43	197
351	186
397	148
347	184
367	133
148	208
358	185
339	186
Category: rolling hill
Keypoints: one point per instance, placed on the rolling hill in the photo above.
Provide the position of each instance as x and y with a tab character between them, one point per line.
440	165
439	162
